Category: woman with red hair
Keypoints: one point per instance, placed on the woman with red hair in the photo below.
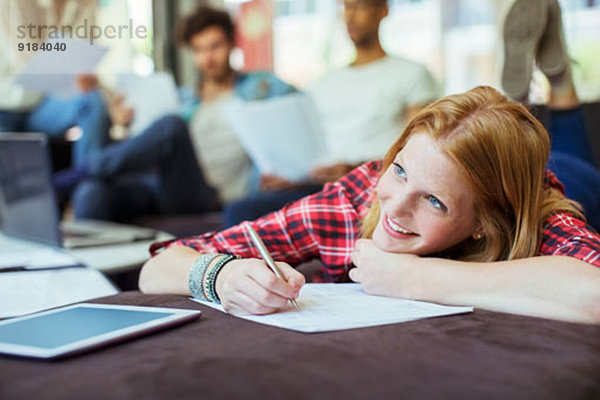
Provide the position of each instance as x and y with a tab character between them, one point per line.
461	211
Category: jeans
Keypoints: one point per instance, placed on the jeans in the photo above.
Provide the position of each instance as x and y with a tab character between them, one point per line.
572	161
259	204
569	134
54	115
154	172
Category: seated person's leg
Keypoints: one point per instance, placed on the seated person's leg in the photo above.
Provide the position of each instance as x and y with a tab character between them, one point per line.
582	183
159	143
186	191
566	124
571	157
569	135
120	200
94	121
523	27
253	207
12	121
164	147
55	115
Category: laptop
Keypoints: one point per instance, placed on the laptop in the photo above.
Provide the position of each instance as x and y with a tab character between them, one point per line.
28	206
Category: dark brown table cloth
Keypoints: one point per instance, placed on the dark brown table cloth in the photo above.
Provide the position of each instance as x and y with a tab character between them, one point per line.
483	355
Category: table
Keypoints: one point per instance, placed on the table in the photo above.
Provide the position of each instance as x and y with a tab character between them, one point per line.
483	355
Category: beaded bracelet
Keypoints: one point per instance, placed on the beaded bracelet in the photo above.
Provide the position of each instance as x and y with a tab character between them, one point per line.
197	275
206	279
210	279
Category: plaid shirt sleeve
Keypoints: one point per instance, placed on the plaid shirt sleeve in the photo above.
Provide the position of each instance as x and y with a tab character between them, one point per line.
565	235
323	225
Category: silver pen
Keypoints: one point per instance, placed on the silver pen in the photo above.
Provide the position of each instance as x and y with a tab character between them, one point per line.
267	257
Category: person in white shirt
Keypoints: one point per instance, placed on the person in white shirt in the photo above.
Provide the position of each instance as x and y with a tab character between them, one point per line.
363	108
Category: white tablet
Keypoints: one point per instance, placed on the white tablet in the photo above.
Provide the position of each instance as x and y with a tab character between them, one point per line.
80	327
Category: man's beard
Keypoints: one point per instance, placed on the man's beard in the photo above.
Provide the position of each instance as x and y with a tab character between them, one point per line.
219	77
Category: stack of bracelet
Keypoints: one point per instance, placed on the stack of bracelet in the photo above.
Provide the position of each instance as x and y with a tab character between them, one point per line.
203	276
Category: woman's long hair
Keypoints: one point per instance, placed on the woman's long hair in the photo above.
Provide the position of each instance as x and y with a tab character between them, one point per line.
502	151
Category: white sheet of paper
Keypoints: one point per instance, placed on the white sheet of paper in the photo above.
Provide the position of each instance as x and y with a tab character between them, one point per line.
32	259
151	97
283	135
30	291
53	72
337	306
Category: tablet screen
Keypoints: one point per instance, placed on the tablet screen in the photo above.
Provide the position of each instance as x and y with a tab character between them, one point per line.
72	328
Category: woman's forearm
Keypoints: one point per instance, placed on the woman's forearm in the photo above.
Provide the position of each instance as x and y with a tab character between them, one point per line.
555	287
244	286
168	271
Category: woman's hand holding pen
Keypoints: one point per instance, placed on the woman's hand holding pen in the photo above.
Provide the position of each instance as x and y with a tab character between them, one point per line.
247	286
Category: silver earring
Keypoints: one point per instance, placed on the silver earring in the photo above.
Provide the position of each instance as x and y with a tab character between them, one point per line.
478	236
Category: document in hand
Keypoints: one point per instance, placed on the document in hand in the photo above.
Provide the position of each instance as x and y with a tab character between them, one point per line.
283	135
151	97
53	72
337	306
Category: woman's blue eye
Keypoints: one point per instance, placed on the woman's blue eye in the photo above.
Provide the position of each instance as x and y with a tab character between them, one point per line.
399	170
436	203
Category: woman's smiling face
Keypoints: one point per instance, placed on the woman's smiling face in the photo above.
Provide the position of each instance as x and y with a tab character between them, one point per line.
426	205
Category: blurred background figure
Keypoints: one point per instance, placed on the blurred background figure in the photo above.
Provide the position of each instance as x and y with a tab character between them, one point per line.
362	106
23	110
533	35
181	164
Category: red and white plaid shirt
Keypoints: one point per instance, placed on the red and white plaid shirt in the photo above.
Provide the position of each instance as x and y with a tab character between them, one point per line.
325	225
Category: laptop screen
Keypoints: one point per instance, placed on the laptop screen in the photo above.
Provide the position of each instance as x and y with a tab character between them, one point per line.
28	207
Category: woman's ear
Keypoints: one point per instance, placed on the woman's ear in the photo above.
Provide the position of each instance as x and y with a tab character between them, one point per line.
478	234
